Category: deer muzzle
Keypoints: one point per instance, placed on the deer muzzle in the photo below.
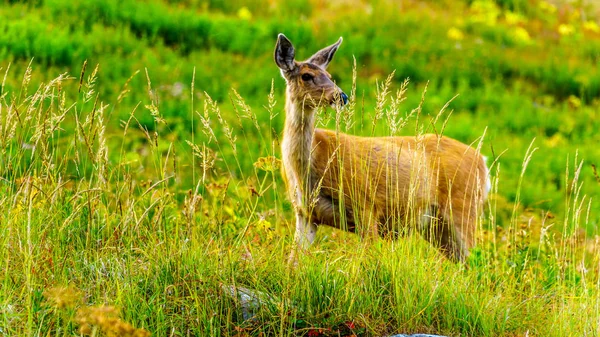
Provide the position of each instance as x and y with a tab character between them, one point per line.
344	97
339	100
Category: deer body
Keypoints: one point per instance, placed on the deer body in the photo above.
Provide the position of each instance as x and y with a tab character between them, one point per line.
373	184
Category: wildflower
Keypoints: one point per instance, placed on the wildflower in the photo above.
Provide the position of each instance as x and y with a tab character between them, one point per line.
565	29
513	18
244	13
591	26
455	34
574	102
177	89
555	141
521	35
269	164
485	12
547	7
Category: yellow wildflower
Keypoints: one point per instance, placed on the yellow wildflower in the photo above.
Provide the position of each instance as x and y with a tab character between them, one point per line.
485	12
269	164
555	141
513	18
244	13
521	35
591	26
566	29
455	34
574	102
547	7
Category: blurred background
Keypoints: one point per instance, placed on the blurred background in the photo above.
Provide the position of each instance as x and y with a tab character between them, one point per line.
522	69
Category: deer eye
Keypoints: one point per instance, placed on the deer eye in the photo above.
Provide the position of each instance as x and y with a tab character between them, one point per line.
307	77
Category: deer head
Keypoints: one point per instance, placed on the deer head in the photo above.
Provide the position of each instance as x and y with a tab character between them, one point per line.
308	81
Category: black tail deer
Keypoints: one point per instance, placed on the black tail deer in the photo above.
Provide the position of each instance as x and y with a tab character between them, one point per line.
366	184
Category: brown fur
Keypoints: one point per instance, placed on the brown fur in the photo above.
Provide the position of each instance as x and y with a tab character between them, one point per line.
378	184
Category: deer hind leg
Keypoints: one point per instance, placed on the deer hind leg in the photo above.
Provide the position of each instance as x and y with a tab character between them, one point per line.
369	226
441	231
327	211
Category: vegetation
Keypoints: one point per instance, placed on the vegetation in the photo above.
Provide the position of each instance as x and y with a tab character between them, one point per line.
139	177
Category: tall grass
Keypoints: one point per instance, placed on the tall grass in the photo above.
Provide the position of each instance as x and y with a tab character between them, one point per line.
135	232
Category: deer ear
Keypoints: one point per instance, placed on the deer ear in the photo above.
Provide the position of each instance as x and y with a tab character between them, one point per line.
284	53
325	55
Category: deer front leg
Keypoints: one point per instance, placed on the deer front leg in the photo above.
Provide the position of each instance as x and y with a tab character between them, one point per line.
303	238
306	231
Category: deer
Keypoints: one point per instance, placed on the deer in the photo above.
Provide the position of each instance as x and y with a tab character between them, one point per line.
372	185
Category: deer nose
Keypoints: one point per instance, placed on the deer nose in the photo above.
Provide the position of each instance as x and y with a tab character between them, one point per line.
344	98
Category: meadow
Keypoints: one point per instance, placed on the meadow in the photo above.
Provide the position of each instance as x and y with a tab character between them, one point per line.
140	182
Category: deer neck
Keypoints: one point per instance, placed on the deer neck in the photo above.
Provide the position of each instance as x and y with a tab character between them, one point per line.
297	139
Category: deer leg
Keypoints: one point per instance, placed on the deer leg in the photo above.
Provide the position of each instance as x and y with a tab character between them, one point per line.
304	237
462	219
369	225
306	232
327	211
451	242
436	229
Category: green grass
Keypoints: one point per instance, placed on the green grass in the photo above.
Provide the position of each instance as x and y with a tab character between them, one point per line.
163	253
138	192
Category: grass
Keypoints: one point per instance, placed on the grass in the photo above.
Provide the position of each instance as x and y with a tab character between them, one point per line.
92	247
135	193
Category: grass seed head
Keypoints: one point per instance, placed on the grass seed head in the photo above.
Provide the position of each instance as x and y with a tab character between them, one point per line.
63	297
